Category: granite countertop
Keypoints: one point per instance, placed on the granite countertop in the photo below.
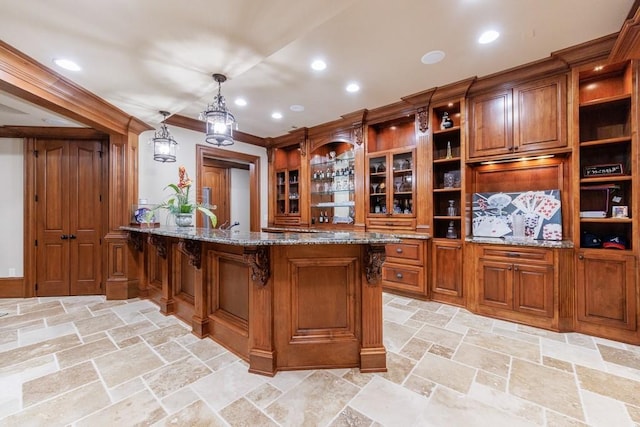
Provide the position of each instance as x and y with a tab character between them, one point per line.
398	234
559	244
238	238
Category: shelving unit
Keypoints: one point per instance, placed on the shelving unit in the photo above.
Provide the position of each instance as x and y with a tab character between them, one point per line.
332	186
288	188
447	173
605	154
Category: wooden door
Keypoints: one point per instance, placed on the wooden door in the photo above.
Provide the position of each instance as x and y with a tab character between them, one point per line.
540	114
217	178
69	217
606	290
533	289
490	124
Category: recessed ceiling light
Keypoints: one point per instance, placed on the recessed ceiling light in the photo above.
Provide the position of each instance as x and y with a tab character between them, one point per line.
598	68
67	64
276	115
432	57
297	108
488	36
240	102
352	87
318	65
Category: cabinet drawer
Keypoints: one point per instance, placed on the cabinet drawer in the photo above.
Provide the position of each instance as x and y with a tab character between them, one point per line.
392	223
405	251
515	253
287	220
404	278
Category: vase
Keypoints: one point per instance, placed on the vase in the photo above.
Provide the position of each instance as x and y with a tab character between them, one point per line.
184	219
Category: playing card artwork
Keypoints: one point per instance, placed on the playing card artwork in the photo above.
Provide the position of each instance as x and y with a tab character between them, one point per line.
527	215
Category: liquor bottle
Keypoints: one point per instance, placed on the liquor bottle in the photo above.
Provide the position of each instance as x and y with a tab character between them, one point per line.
451	231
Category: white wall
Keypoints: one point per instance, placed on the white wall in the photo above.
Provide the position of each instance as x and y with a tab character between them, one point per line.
240	200
155	176
12	218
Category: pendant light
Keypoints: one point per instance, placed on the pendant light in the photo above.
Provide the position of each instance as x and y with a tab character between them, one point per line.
164	146
219	121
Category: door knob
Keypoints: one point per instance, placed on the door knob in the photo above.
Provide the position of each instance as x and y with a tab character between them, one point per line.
72	236
64	237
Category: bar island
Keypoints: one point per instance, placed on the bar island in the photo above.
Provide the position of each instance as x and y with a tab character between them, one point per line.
281	301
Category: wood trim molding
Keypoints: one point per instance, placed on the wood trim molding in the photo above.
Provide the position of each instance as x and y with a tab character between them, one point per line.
12	287
203	152
24	77
627	45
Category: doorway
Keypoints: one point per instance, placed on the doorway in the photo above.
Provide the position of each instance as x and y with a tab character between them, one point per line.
67	216
215	169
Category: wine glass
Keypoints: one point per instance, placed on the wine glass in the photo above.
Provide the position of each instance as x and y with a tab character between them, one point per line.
374	188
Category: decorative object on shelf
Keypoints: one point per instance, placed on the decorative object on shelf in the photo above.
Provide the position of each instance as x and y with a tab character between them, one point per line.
451	231
451	209
449	180
179	205
449	155
164	145
219	121
446	121
603	170
529	215
620	211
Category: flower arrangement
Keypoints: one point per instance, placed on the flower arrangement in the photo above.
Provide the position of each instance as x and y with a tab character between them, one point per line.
178	202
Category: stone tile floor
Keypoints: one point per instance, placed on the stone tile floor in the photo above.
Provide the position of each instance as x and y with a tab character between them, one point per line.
85	361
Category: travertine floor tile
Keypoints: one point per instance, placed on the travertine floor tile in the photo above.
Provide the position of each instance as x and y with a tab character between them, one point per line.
51	385
172	377
546	386
243	413
349	417
264	395
619	388
395	335
502	344
601	411
123	365
446	372
139	409
440	336
99	323
198	414
482	358
85	352
618	356
315	401
21	354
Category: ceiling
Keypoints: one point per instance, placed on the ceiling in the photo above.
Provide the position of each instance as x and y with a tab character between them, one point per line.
144	56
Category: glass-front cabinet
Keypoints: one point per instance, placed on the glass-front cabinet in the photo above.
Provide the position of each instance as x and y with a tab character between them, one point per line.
288	194
391	184
332	189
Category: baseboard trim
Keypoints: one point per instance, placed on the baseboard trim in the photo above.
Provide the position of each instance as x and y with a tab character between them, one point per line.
11	287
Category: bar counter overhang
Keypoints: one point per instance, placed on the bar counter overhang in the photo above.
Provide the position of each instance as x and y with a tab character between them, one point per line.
281	301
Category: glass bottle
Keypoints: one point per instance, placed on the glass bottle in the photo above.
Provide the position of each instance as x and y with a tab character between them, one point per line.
449	155
451	231
451	210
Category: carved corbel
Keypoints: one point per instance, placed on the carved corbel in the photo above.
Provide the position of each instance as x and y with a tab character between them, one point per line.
373	264
160	243
303	147
135	240
258	260
357	133
193	249
422	118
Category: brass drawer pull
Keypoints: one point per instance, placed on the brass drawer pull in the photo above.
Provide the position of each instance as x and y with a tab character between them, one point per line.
398	275
399	250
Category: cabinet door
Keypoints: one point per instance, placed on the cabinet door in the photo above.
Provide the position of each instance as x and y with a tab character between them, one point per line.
540	119
533	289
495	284
606	289
490	119
446	276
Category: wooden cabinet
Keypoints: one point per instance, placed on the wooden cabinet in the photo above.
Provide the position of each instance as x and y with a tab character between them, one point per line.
404	270
446	272
518	284
527	118
391	179
288	187
332	187
606	293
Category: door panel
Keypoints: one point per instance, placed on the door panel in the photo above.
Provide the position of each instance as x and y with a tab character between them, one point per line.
495	284
85	178
533	286
52	251
217	178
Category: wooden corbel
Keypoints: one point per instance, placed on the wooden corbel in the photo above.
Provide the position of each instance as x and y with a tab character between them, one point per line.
258	260
373	263
193	249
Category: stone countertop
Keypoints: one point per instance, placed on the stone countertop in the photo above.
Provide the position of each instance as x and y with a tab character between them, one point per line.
238	238
557	244
398	234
